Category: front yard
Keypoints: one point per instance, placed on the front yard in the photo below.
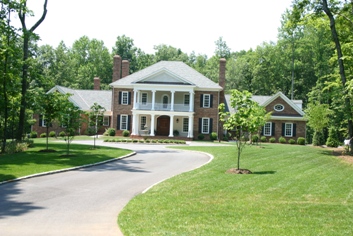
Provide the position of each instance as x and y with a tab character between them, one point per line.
294	190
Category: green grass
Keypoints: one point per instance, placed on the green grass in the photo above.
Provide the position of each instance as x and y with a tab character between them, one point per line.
294	190
32	161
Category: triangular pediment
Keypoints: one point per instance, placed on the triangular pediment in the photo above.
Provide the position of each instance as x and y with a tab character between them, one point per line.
163	76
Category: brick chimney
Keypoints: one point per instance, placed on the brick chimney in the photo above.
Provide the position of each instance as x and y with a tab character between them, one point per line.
96	83
222	77
116	67
125	68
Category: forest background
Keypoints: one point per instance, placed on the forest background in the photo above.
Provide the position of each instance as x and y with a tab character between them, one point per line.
305	63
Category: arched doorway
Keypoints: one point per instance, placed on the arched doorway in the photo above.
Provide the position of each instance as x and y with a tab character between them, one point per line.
163	123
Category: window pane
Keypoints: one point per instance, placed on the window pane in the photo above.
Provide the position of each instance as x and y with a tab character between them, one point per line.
125	98
206	100
165	101
144	98
288	129
106	121
267	129
205	124
143	122
186	99
185	125
123	125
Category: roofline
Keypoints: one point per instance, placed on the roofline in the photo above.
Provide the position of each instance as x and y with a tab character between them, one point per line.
295	118
286	99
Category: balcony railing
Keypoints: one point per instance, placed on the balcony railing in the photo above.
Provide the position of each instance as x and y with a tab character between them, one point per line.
162	107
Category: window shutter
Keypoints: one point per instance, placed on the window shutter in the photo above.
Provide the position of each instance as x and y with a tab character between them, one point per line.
118	123
210	126
200	125
273	129
283	127
120	94
129	98
128	122
211	100
40	120
262	131
294	130
201	100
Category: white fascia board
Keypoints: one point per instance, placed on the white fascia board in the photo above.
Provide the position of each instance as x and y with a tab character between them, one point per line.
163	87
287	118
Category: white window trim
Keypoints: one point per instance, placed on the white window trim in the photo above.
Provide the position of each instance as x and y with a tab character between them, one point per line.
187	126
105	120
285	130
268	134
168	103
121	122
208	126
209	100
123	94
44	121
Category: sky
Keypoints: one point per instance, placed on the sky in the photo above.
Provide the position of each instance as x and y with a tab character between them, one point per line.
191	25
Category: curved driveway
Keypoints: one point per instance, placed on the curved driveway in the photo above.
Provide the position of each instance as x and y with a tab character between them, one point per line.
87	201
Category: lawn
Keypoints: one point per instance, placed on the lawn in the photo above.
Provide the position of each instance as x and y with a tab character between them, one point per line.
294	190
33	161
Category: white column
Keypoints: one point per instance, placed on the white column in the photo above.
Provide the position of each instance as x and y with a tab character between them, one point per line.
191	105
138	99
135	100
171	123
134	125
152	125
153	99
172	101
191	126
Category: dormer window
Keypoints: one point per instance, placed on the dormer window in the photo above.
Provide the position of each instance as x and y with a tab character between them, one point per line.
279	107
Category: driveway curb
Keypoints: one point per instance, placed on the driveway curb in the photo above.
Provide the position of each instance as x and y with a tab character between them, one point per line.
67	169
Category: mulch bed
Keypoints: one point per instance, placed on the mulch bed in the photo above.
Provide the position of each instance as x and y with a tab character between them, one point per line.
238	171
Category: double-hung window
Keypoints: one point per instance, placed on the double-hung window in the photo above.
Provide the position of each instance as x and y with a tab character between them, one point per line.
267	129
123	122
206	100
288	129
144	99
143	122
125	98
186	99
185	125
205	126
106	121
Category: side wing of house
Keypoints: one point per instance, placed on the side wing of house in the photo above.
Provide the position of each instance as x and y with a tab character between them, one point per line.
287	119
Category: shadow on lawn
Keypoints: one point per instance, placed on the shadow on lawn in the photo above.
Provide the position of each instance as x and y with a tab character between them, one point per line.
269	172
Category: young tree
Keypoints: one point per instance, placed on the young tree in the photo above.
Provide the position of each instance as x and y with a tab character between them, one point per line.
248	117
96	116
70	120
318	116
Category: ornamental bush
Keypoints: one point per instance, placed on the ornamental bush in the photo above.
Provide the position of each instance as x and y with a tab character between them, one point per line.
272	140
263	139
291	141
201	136
52	134
110	132
43	135
301	141
282	140
33	134
62	134
126	133
213	136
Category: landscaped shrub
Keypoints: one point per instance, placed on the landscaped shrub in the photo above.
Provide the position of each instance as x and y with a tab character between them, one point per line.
33	134
147	141
134	140
213	136
124	140
282	140
272	140
110	132
255	138
263	139
52	134
176	133
201	136
301	141
126	133
141	141
14	147
62	134
91	131
154	141
318	139
43	135
291	141
332	140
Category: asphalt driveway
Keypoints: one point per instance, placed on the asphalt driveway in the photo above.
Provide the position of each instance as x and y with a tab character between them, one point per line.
87	201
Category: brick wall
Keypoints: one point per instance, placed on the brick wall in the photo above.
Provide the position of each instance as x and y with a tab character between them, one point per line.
119	109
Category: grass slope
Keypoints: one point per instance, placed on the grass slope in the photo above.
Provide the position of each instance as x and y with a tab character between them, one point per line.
295	190
32	161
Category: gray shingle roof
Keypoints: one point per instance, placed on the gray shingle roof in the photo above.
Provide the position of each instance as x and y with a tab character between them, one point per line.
177	68
84	99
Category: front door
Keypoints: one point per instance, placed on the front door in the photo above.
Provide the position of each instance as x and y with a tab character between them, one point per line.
163	123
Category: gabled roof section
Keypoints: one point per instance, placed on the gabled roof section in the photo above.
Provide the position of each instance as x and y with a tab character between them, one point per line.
266	100
176	71
293	104
84	99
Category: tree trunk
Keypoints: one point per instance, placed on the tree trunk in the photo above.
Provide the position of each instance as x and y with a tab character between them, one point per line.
341	66
26	38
